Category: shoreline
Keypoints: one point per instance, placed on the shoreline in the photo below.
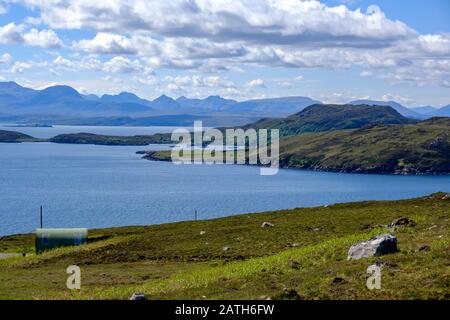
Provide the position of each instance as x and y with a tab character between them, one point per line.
150	156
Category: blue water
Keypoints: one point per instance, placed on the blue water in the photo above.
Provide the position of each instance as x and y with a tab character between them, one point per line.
100	186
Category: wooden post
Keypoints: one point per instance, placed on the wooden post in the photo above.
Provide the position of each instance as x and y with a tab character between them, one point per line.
41	217
195	215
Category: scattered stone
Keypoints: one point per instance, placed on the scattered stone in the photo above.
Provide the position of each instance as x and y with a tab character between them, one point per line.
425	248
139	296
338	280
376	246
432	227
287	294
446	196
226	249
202	232
267	225
313	228
264	298
402	222
294	245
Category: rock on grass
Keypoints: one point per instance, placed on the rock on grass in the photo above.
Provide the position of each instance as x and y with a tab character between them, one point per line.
376	246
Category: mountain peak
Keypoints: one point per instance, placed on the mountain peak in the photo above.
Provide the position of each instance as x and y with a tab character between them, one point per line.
164	97
127	94
61	90
164	102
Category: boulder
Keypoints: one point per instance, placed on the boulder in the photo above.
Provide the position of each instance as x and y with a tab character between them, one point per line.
338	280
226	249
139	296
267	225
377	246
402	222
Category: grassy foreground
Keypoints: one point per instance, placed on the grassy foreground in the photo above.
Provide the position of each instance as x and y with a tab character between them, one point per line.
302	257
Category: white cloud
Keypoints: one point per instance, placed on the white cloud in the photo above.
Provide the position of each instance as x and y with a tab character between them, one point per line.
11	33
17	34
256	83
366	74
43	38
120	64
20	67
108	43
280	22
5	58
393	97
213	36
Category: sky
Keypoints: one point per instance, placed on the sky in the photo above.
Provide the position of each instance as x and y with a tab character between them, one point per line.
334	50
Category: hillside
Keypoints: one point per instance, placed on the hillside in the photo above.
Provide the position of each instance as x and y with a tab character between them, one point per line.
422	148
327	117
15	137
303	256
408	149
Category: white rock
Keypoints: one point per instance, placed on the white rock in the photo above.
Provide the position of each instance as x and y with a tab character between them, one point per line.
377	246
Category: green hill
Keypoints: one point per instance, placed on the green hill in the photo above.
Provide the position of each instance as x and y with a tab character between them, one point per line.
410	149
12	136
422	148
303	256
327	117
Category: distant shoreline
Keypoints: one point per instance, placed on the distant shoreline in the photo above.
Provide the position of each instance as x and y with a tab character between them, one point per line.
164	156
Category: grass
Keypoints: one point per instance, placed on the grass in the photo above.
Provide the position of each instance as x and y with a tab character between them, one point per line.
304	252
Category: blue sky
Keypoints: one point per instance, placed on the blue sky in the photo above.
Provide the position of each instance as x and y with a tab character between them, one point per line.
333	50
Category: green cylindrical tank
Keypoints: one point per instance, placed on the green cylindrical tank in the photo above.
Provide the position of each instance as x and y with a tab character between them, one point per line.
48	238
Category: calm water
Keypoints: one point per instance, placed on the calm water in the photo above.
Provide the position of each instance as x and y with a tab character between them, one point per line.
101	186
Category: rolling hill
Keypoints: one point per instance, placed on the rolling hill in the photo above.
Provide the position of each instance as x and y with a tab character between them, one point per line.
15	137
422	148
325	117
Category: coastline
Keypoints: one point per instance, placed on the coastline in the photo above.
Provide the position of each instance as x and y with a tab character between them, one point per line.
161	156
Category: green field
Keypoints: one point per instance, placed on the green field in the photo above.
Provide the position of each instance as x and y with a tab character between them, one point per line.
302	257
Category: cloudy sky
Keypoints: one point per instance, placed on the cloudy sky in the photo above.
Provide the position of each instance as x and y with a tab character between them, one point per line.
334	51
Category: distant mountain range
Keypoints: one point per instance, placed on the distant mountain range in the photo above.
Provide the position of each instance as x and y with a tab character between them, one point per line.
64	105
424	112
